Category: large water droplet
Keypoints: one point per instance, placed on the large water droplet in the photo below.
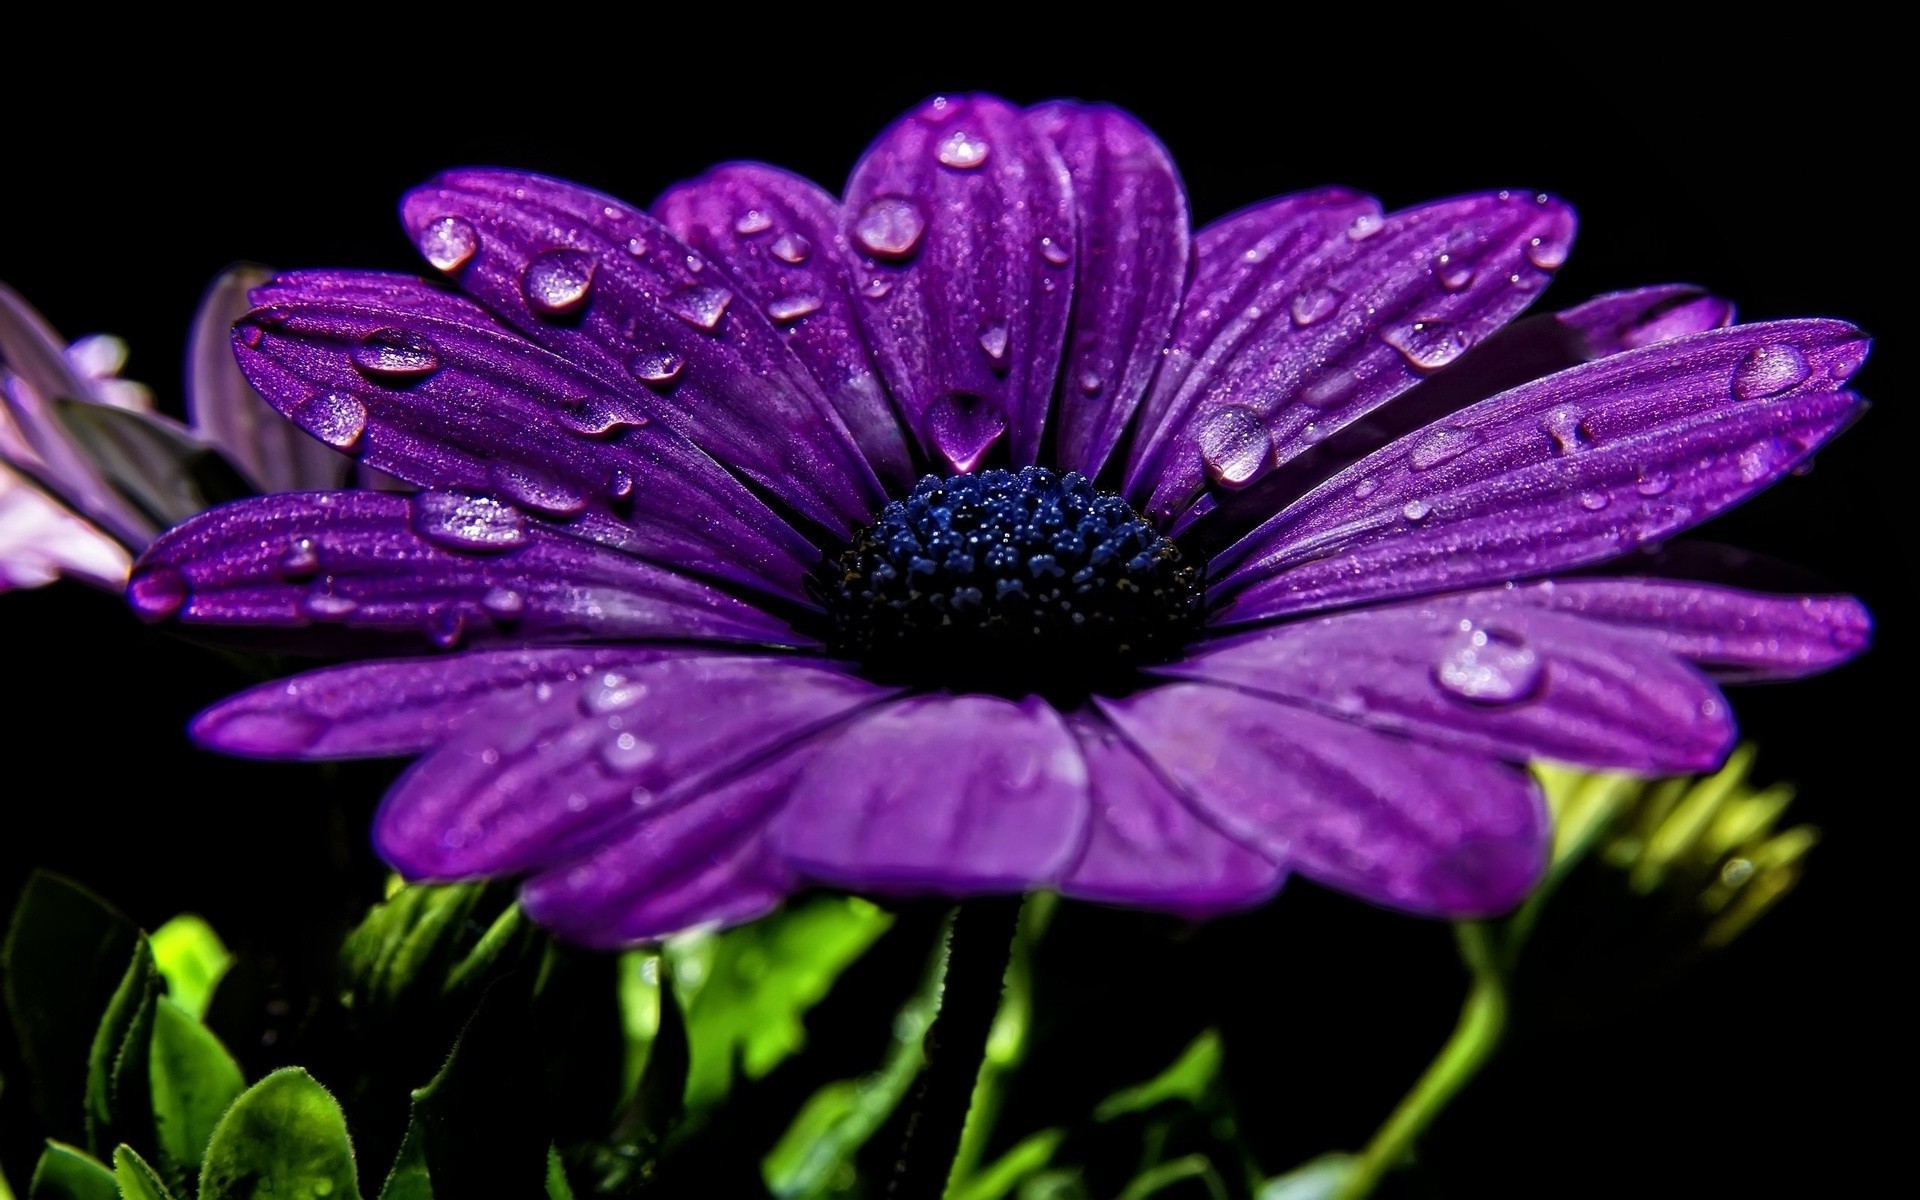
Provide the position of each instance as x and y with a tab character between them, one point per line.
595	416
1416	511
1313	306
461	521
1452	274
625	752
993	339
1769	371
537	491
301	560
1365	226
890	227
448	243
656	368
1090	383
700	306
1365	488
962	151
445	627
1055	252
1427	345
620	486
1566	425
791	248
157	592
1235	445
323	605
1488	666
1441	445
395	353
337	418
1654	483
1594	500
963	427
751	222
503	603
788	309
556	282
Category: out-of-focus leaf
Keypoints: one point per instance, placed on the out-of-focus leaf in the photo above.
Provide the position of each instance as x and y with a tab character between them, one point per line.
70	1173
137	1180
191	958
1157	1179
119	1065
151	460
557	1186
1011	1169
65	954
284	1137
194	1080
638	984
1190	1078
746	991
576	1010
1316	1180
1063	1184
412	947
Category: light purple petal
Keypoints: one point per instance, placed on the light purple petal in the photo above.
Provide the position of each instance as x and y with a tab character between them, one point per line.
1397	299
1572	469
1147	846
1470	672
1736	635
1406	825
955	215
778	236
272	453
441	568
536	780
40	541
425	385
609	289
950	794
1130	267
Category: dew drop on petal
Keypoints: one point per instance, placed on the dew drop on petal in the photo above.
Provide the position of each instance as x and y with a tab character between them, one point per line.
445	627
1769	371
301	559
503	603
993	339
1427	345
1566	425
791	248
751	222
637	247
1328	389
788	309
1488	666
448	243
890	227
700	306
1054	252
1548	253
337	418
611	693
1090	383
1452	274
1315	432
396	354
325	606
1313	306
656	368
1235	445
1416	510
876	288
1365	488
536	491
620	486
628	753
594	417
1594	500
460	521
556	282
962	151
1365	226
157	592
1654	483
1441	445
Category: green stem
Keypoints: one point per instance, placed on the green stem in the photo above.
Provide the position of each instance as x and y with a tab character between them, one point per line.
1483	1019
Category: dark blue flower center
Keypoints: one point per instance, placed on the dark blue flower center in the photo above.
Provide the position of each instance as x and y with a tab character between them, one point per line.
1026	581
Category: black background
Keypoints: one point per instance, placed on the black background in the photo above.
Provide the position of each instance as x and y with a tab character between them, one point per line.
1757	159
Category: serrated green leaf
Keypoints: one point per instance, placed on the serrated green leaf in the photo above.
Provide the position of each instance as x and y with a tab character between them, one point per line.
191	958
557	1186
1190	1077
65	953
285	1137
1013	1168
137	1180
70	1173
194	1081
119	1067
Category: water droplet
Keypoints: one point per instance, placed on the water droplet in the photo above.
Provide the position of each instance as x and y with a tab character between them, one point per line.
556	282
963	427
301	560
1566	425
1548	253
1441	445
460	521
503	603
657	368
325	606
1090	383
694	265
595	416
876	288
611	693
1235	445
535	490
395	353
1654	483
1365	488
993	339
1055	252
445	627
700	306
337	418
1315	432
1756	462
1328	389
1452	274
962	151
1595	500
1488	666
620	487
1313	305
1365	226
890	227
157	592
448	243
637	247
251	335
1769	371
751	222
1427	345
1416	510
788	309
791	248
628	753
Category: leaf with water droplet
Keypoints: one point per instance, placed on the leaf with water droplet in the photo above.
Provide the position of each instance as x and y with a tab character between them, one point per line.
284	1137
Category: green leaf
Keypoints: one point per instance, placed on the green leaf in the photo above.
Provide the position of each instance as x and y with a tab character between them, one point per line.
65	953
136	1179
1157	1179
284	1137
194	1081
70	1173
191	958
426	942
119	1068
1190	1078
1013	1168
151	460
1317	1180
557	1186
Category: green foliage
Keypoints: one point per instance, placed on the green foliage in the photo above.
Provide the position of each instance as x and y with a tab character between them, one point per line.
191	958
70	1173
137	1180
119	1066
194	1080
1190	1079
284	1137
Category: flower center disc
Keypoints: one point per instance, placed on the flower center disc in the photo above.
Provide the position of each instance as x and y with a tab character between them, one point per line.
1017	582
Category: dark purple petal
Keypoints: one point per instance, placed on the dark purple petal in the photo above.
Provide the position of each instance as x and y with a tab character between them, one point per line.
1406	825
427	386
436	567
610	290
953	794
1572	469
1146	845
956	215
1130	267
272	453
778	237
1645	316
1738	636
393	707
1372	314
1472	673
534	781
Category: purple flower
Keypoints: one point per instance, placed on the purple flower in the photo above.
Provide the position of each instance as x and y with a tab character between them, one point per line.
716	644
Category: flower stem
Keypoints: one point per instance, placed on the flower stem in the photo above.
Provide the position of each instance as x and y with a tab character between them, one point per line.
977	951
1483	1018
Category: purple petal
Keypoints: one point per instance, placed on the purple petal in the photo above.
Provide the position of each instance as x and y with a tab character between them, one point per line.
1469	672
1130	265
778	237
537	780
703	863
40	541
959	209
222	407
951	794
1401	824
1738	636
425	385
1573	469
1628	320
439	567
396	707
1147	847
609	289
1397	299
